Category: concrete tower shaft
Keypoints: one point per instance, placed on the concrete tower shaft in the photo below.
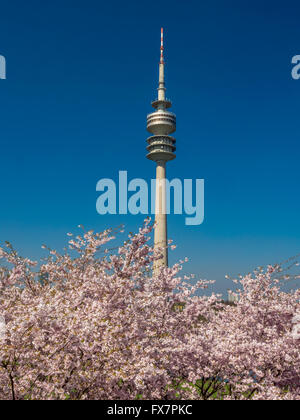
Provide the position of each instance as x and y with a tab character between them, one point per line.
160	231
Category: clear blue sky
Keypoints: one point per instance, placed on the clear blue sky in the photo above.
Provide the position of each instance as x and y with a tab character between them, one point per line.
80	79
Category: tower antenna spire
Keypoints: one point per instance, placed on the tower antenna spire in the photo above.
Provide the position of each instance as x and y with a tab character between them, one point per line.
162	46
161	78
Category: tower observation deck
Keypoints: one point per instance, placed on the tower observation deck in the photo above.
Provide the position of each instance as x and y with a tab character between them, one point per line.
161	147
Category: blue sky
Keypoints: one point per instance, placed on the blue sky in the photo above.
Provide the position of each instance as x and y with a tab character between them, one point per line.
80	79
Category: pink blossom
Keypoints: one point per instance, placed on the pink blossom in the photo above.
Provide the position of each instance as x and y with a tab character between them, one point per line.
98	325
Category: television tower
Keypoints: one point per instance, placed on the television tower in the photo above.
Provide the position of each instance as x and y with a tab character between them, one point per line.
161	148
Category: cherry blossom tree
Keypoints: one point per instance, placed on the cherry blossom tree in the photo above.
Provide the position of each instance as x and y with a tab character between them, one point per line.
93	323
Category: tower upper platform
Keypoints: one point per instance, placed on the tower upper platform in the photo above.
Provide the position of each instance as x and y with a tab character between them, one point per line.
161	122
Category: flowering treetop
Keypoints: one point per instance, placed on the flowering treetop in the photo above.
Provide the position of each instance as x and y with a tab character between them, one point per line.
100	326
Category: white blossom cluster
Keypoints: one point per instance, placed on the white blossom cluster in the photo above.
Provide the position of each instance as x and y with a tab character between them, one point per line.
2	327
296	327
